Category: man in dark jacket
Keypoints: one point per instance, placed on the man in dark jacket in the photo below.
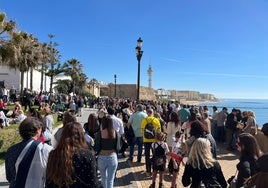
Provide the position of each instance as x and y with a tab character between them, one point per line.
231	130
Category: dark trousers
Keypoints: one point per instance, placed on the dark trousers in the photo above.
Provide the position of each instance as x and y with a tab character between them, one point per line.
231	137
220	134
147	153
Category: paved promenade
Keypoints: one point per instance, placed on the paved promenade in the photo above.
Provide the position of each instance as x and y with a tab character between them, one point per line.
132	174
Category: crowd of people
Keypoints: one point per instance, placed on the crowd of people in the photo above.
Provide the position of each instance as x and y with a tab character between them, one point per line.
165	134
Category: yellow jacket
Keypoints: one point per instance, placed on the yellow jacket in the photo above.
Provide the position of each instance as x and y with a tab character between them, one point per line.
157	126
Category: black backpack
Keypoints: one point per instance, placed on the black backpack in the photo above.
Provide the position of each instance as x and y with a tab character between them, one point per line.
149	130
159	156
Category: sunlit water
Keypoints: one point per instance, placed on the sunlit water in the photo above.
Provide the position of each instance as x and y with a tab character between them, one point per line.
258	106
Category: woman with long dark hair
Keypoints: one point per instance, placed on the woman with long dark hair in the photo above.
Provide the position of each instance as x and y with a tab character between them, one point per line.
198	129
250	152
173	126
92	125
71	164
107	144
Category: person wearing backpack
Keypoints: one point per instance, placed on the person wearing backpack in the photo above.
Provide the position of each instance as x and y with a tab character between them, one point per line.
160	150
149	126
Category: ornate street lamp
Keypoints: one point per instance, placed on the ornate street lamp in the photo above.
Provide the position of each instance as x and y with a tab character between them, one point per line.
115	85
139	53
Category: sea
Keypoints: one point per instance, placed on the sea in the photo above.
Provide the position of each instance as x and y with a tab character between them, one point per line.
258	106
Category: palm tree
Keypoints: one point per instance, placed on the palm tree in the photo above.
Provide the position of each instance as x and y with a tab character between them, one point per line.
53	59
73	69
37	57
7	50
81	82
20	53
54	72
6	27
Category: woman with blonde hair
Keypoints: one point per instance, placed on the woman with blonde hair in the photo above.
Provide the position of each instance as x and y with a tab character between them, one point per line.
251	125
48	122
201	167
17	108
75	163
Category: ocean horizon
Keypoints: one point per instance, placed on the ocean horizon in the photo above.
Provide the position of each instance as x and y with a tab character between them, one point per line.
258	106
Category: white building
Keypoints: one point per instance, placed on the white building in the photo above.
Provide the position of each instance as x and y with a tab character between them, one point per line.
11	77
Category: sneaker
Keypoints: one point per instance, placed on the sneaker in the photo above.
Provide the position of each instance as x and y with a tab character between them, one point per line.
130	159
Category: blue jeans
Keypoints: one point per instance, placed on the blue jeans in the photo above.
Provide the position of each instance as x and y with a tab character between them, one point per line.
139	142
147	153
107	165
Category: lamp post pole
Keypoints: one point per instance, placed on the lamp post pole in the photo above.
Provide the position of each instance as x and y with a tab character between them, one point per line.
115	85
139	53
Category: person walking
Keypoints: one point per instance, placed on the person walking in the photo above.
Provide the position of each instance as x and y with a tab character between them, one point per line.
135	122
160	150
178	146
92	125
201	168
184	113
214	122
231	130
75	163
118	127
250	152
262	138
198	129
149	126
107	144
259	180
251	125
173	126
25	162
221	119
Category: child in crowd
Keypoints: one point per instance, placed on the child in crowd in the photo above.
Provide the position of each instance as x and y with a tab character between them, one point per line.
178	152
160	150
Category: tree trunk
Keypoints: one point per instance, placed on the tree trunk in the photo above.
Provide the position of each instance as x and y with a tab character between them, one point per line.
42	78
51	84
31	79
21	82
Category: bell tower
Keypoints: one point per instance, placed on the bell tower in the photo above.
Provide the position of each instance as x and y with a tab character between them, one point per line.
150	72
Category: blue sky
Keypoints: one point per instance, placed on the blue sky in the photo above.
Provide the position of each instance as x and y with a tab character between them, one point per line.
218	47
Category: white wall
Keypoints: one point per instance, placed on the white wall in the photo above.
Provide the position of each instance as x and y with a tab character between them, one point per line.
12	78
